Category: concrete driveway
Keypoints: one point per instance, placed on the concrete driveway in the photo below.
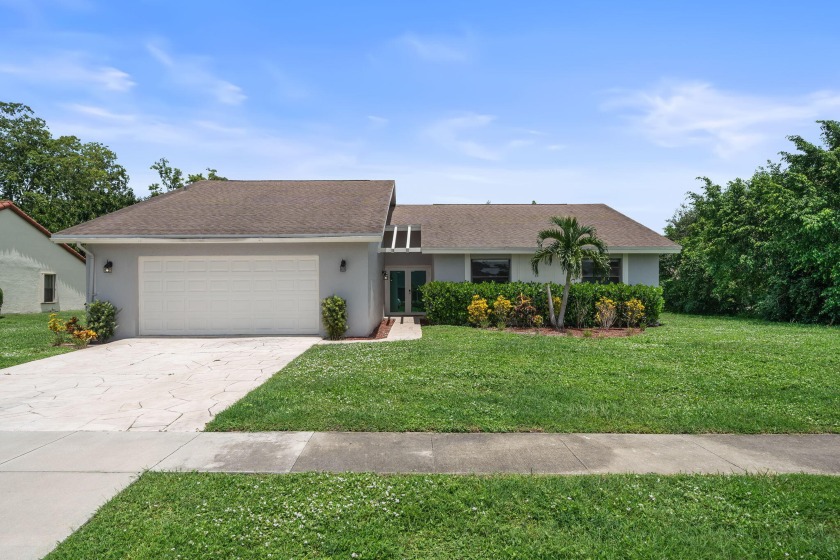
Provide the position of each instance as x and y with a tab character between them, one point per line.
140	384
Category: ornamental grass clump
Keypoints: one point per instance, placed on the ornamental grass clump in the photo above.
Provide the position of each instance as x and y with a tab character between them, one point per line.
605	312
478	312
334	314
502	309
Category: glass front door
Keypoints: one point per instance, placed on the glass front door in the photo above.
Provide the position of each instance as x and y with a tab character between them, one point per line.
404	295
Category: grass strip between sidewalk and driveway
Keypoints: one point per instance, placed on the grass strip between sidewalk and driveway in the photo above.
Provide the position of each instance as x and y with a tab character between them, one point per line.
691	375
24	337
201	515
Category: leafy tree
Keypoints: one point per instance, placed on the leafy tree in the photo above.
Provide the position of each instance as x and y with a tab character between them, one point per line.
768	246
569	244
172	178
61	181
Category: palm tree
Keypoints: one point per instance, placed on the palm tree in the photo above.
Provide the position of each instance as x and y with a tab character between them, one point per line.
570	243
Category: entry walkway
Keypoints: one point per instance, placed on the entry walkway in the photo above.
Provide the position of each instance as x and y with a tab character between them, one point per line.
52	482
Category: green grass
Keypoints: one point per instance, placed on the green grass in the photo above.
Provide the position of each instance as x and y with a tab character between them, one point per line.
24	337
200	516
692	375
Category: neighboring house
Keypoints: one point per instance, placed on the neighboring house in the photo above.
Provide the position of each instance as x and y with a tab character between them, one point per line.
35	274
257	257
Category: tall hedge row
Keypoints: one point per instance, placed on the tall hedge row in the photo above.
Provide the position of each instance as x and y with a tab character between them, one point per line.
446	302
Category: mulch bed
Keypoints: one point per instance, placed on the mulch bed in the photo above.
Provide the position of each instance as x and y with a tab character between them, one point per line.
378	333
578	333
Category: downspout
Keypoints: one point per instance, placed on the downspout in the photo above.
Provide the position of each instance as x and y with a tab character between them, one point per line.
91	286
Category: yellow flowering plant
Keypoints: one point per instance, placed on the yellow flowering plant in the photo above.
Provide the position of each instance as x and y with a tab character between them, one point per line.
478	312
502	308
83	337
56	326
605	312
634	312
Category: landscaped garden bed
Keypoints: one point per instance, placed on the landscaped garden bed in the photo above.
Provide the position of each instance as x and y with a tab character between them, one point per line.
692	375
199	516
24	337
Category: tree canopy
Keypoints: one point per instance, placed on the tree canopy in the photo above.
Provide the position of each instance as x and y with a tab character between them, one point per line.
59	181
172	178
767	246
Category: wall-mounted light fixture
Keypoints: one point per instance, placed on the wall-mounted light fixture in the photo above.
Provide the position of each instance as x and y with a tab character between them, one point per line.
343	266
108	268
385	275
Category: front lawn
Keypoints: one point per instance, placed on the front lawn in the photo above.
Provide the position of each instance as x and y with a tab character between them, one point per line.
24	337
692	375
200	515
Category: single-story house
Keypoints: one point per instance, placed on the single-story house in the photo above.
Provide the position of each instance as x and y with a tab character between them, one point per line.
35	274
257	257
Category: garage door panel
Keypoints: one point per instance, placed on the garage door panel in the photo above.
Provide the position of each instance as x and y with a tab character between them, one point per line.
229	295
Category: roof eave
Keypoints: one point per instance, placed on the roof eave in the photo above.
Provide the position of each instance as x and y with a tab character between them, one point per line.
640	250
302	238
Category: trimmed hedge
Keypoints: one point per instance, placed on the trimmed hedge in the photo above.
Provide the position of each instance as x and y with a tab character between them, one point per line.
447	302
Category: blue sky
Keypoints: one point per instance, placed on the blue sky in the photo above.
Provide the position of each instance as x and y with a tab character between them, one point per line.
617	102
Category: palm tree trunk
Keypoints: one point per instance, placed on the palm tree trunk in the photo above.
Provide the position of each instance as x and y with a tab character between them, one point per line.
562	319
551	316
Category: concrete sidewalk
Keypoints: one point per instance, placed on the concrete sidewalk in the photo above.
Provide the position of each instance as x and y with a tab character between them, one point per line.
52	482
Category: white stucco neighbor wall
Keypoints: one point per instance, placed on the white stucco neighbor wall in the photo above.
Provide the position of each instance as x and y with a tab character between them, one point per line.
364	308
25	254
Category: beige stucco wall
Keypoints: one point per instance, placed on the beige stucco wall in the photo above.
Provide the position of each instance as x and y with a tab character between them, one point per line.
364	304
25	254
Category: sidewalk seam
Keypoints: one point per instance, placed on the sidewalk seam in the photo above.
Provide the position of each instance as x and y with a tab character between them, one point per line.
39	447
309	439
718	456
180	447
566	445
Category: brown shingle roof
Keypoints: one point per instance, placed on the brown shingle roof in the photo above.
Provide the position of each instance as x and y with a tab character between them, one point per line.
515	226
8	204
252	209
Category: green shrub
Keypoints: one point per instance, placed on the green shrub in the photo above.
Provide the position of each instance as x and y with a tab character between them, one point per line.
102	319
447	302
334	314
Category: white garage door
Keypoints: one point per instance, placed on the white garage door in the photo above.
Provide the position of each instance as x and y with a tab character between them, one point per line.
228	295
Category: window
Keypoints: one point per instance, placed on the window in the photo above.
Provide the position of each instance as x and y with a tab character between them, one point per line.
49	288
591	276
491	270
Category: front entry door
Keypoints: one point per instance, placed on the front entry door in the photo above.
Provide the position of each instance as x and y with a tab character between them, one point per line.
404	297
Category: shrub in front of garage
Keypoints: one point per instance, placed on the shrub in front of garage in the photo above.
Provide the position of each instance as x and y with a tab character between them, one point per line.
334	315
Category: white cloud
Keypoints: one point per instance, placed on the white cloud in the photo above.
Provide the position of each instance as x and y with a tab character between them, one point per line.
438	49
73	69
555	147
377	121
696	113
192	73
449	134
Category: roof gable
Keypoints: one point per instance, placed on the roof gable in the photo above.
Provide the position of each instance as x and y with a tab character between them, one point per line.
251	209
9	205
